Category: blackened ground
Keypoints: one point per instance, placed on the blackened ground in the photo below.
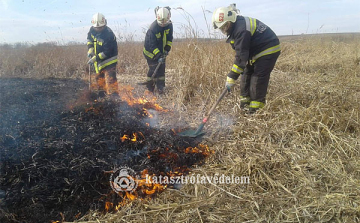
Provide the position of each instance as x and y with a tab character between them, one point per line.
57	148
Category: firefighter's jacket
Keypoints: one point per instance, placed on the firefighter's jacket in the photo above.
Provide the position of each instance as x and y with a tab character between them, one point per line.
157	40
105	47
251	39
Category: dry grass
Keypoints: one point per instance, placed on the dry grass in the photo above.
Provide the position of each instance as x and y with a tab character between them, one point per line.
301	151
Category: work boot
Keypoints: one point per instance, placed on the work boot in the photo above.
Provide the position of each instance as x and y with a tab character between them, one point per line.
254	106
161	90
150	85
244	102
252	110
244	105
160	84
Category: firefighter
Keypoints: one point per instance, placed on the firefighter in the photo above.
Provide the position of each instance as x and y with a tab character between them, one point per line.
256	50
158	42
102	51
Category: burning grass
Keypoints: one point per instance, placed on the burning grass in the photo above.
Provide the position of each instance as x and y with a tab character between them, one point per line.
58	168
300	152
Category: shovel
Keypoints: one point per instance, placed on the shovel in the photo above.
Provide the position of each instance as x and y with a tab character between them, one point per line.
198	132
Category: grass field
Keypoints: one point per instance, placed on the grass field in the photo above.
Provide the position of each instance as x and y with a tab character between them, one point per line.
300	152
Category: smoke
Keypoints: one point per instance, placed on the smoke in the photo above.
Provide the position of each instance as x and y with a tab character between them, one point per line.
222	120
153	119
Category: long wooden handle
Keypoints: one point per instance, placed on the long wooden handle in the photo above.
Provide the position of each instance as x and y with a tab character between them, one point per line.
217	102
156	69
201	126
90	77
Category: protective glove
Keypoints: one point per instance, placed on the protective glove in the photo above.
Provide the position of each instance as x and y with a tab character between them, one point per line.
90	52
166	53
167	48
92	60
161	60
229	83
157	56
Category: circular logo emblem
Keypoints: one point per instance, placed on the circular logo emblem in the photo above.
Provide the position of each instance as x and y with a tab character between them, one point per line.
221	17
123	179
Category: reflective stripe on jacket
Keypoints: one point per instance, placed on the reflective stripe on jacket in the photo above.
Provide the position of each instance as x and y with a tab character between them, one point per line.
251	39
156	39
105	47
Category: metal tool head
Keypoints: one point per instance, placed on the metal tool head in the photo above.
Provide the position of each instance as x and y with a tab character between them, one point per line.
191	133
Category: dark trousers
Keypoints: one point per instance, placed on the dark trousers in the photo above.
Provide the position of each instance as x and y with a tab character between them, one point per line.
106	80
159	77
255	79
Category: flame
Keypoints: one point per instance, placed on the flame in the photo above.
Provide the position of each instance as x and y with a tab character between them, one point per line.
133	138
130	196
148	114
149	100
124	137
125	92
203	149
146	187
105	83
145	184
108	206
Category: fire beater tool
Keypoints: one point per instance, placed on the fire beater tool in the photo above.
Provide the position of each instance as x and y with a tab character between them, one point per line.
155	71
198	131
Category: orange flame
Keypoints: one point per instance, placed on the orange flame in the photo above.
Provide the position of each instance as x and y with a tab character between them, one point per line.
108	206
145	187
203	149
134	137
130	196
124	137
149	100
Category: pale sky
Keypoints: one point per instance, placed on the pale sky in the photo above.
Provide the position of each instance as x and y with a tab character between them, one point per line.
62	21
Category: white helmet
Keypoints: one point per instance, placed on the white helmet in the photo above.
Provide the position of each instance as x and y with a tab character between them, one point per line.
163	16
98	20
223	15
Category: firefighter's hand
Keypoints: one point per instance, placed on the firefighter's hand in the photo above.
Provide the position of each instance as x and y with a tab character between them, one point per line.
229	83
157	56
167	48
90	52
92	60
166	53
161	60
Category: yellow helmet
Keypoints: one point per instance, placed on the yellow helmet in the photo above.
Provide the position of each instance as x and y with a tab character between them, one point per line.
223	15
98	20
